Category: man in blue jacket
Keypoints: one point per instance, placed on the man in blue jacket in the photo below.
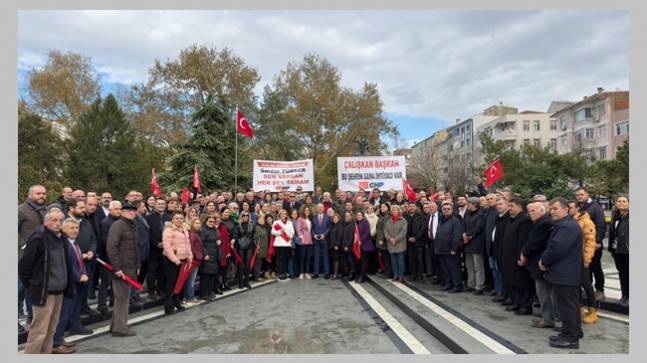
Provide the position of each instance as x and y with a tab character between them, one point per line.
562	264
320	231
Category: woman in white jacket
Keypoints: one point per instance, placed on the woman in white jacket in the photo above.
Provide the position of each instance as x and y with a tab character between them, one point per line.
282	233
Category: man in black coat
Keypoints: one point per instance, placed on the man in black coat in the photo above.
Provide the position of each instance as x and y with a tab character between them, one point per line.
46	270
155	278
536	245
415	241
500	224
474	245
562	264
447	245
517	278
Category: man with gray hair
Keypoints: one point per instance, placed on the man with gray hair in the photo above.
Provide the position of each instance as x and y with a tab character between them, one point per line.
532	250
44	268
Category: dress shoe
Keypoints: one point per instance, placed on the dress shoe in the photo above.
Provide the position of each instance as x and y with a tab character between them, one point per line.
314	276
180	308
507	302
523	311
82	331
326	276
541	323
103	309
498	298
125	333
478	292
561	343
134	302
153	296
61	349
624	301
448	287
89	311
455	290
68	344
513	307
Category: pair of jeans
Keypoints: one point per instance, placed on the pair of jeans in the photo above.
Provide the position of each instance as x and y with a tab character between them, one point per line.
397	264
189	285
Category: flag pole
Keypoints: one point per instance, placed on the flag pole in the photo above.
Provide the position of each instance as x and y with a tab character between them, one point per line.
236	157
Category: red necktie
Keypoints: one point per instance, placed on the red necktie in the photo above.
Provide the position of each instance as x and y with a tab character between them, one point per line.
79	257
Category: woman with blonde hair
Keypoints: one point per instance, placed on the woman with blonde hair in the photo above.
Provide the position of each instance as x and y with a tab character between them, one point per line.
282	231
177	249
395	235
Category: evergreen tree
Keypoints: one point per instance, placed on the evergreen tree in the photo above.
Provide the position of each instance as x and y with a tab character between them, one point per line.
210	146
102	151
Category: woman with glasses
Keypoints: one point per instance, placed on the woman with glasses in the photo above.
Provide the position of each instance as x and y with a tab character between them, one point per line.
212	255
222	225
283	231
245	246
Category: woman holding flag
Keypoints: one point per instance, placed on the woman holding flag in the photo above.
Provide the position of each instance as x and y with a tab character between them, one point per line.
177	249
348	237
282	233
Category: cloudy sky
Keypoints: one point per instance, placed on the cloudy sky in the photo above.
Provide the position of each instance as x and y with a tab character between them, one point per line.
431	67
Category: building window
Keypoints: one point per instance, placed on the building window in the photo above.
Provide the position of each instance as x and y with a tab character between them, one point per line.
602	131
535	125
526	142
622	128
562	123
602	153
564	140
536	142
552	144
553	125
526	125
601	110
583	114
589	134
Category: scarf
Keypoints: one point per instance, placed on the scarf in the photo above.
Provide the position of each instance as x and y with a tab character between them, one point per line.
394	218
38	208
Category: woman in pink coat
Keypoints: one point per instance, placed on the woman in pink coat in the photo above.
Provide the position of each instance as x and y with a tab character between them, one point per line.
177	249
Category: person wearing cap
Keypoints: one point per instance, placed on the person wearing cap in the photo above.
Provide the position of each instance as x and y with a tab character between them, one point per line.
122	247
474	245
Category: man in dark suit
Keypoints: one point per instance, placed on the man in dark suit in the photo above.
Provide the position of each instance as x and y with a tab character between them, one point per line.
320	231
292	203
155	280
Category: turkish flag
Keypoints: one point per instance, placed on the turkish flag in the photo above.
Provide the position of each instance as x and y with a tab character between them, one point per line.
493	173
155	187
196	181
408	191
242	125
356	243
186	195
432	195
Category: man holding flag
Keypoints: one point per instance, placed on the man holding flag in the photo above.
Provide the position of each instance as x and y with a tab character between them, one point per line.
122	247
493	173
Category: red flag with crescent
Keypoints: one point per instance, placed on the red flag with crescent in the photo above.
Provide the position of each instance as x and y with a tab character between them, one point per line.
242	125
155	187
493	173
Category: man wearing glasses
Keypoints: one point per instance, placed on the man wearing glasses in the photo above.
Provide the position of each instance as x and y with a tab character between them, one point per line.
291	203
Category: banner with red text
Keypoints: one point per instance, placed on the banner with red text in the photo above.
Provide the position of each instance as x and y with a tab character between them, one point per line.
368	172
275	175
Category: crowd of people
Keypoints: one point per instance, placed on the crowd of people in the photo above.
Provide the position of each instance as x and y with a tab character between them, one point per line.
487	243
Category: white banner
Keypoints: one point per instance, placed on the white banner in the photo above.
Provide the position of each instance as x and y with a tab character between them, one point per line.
275	175
368	172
